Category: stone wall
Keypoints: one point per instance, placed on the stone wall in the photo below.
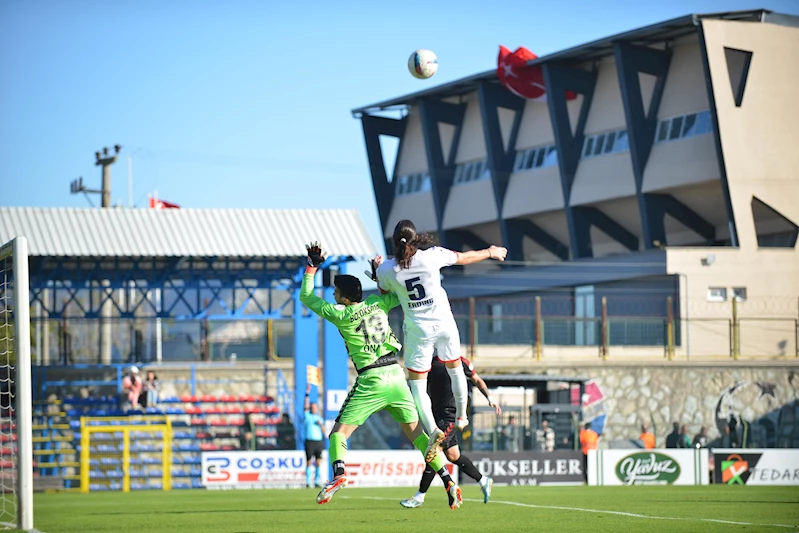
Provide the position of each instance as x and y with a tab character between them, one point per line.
765	396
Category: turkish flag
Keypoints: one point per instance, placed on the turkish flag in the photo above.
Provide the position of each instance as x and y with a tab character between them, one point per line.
521	80
155	203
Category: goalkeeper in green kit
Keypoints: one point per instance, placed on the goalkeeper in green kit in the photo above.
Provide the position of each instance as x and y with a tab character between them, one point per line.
380	384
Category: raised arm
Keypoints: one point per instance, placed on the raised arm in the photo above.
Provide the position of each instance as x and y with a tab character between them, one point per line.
307	398
475	256
326	310
482	387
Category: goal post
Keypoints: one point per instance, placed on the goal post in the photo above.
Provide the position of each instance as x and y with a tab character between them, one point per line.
15	394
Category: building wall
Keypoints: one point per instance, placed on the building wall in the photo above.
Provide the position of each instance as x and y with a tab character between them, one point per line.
472	144
769	314
533	191
470	203
417	207
759	138
412	157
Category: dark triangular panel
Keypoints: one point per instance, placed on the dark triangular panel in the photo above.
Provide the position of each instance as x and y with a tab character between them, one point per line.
773	229
738	62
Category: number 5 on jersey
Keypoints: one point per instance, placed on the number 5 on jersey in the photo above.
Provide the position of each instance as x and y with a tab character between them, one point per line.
415	289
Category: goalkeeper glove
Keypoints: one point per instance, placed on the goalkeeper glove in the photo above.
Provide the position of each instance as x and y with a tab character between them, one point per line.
315	254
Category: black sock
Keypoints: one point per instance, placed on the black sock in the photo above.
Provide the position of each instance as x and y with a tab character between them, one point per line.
427	478
467	467
338	468
444	475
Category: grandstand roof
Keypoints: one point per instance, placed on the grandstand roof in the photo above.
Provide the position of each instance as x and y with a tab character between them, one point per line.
647	35
126	232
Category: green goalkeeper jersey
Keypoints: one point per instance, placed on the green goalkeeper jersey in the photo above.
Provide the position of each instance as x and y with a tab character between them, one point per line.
364	326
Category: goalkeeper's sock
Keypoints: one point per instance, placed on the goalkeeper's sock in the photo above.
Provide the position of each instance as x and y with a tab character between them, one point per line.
423	404
427	478
338	452
459	389
308	476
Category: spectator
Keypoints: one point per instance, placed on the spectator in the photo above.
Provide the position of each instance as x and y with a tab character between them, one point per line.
510	434
700	439
733	425
545	437
588	438
647	437
685	440
247	434
314	440
729	439
286	438
151	387
673	439
132	385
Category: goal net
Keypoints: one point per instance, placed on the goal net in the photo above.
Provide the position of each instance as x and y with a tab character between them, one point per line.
16	453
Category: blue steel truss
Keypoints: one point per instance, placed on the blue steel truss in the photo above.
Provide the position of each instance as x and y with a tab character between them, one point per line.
177	288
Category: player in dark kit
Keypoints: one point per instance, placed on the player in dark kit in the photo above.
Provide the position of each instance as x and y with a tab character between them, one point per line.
439	387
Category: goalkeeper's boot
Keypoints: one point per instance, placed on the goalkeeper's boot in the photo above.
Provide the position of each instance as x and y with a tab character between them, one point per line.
434	442
486	486
454	495
412	503
331	487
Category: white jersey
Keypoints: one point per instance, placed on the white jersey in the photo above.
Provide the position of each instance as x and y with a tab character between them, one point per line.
424	301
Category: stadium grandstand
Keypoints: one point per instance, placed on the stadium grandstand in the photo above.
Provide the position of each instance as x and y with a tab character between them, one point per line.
646	201
207	298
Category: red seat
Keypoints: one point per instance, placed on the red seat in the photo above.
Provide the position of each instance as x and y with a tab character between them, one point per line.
247	398
209	447
194	410
188	398
208	399
213	410
234	410
228	398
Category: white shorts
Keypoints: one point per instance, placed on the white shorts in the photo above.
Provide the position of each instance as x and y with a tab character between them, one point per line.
421	342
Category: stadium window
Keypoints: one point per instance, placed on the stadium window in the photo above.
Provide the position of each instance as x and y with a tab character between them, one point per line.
622	143
609	140
600	139
676	126
528	159
517	163
458	174
401	185
716	294
426	182
689	125
589	146
663	130
539	157
703	122
739	293
552	157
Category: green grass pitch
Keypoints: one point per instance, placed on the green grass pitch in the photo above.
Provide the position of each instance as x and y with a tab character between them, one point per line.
560	509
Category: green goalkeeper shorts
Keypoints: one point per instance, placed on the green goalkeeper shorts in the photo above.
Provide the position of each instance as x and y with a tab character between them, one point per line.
375	390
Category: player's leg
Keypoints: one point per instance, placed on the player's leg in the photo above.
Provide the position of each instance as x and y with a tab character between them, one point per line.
402	410
365	398
448	346
417	500
419	361
453	454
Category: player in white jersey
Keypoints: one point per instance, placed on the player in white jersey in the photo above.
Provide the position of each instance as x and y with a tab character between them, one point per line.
414	275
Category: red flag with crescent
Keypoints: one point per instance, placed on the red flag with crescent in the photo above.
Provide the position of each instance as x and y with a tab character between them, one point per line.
521	80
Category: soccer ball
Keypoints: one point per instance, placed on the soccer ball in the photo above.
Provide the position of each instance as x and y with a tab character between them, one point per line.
423	64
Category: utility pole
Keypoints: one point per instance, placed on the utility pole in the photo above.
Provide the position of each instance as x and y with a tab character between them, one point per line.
105	295
104	160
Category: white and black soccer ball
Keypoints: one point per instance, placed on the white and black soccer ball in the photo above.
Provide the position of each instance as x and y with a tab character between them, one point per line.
423	64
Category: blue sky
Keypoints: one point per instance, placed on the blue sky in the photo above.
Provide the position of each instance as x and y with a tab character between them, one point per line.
246	104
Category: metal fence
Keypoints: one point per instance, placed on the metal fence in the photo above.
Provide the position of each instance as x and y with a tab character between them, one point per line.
744	331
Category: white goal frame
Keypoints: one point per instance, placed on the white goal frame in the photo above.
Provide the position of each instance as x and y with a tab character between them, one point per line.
18	249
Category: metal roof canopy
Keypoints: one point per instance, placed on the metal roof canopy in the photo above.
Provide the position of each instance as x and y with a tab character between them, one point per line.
169	233
662	31
176	263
